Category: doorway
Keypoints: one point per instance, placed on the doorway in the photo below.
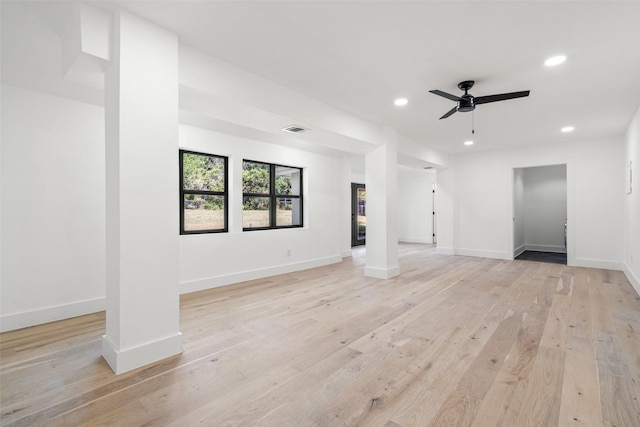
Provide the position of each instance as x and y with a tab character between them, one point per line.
540	213
358	214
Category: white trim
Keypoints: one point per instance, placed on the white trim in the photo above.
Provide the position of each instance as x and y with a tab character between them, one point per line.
347	253
414	240
635	282
518	251
483	254
545	248
134	357
381	273
229	279
595	263
444	251
10	322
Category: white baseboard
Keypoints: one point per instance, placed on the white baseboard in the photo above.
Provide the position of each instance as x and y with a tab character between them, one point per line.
10	322
346	253
444	251
546	248
414	240
123	360
229	279
483	254
381	273
635	281
518	251
595	263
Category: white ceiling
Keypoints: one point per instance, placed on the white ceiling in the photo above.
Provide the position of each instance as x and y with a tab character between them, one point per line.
360	55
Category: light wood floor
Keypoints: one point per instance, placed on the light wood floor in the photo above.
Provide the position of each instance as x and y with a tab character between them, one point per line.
452	341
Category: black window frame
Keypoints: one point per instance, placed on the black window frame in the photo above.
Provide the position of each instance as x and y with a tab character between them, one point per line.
272	196
183	192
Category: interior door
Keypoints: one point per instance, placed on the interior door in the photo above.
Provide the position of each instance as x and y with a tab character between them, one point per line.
358	214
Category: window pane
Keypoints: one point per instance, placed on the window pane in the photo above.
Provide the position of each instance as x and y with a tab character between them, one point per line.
288	212
203	212
201	172
255	178
255	212
287	180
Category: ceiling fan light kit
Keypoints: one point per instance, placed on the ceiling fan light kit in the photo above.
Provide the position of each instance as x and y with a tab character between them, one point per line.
468	102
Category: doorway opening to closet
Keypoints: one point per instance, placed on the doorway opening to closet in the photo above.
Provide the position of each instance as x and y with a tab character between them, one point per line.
540	213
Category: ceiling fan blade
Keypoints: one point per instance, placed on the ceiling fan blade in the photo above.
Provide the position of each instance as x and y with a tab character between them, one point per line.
450	112
500	97
445	94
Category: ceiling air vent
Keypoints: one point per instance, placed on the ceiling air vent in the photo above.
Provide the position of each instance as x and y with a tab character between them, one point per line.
295	129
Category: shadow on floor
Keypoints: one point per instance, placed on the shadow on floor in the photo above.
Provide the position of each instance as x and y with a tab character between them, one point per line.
554	257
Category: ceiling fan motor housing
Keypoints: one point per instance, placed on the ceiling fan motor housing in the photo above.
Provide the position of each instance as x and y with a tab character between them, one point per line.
466	103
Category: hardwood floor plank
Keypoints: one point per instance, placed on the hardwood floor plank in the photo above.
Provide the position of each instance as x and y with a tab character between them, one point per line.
541	406
503	401
261	397
461	407
619	391
600	309
420	401
555	332
579	390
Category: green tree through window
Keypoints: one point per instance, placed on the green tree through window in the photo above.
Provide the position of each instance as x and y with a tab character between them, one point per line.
272	196
203	193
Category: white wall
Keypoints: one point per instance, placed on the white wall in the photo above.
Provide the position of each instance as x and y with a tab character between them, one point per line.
545	207
632	205
415	205
209	260
482	187
53	208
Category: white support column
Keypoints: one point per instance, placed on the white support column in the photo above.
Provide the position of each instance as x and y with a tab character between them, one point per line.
381	180
141	105
345	206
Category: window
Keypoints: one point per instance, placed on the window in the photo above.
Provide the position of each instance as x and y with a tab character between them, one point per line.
203	193
272	196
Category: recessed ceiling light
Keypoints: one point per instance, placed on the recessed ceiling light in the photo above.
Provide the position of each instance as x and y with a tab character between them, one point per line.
567	129
401	101
468	142
555	60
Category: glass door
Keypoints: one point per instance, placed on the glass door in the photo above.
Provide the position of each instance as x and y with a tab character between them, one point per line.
358	214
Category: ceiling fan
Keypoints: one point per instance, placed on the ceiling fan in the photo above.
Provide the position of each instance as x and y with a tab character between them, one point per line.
468	102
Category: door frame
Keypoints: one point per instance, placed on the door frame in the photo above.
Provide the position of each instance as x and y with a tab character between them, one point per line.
570	225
